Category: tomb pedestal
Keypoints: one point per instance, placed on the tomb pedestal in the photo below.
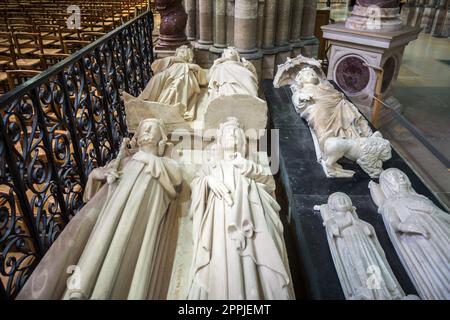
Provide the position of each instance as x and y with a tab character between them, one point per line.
351	50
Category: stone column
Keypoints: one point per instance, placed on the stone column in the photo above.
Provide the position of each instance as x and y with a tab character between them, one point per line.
245	31
296	27
220	25
260	25
282	34
417	19
191	26
230	22
268	44
446	32
172	32
245	25
442	15
428	16
310	42
407	12
434	10
205	39
270	19
204	33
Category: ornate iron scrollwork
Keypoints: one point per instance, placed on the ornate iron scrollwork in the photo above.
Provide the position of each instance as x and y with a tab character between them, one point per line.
53	131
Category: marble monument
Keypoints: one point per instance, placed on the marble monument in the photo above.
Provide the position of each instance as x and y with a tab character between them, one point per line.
359	259
419	231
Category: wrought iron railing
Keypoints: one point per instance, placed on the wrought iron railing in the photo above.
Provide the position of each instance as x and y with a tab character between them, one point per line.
54	130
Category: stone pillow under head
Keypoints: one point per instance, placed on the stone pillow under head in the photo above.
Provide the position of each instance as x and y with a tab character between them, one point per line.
137	109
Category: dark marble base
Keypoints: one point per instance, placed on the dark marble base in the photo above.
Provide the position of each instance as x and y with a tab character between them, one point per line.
304	185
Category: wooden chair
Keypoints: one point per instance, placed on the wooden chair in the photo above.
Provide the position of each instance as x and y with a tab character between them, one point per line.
4	86
4	27
17	77
26	53
91	35
50	59
50	38
7	60
72	46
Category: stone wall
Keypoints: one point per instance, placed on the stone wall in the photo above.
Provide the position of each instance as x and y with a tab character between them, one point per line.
265	32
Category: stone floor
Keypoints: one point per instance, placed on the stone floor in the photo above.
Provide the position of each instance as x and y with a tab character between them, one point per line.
423	89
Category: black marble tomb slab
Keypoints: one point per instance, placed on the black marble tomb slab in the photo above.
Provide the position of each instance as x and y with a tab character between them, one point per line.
306	185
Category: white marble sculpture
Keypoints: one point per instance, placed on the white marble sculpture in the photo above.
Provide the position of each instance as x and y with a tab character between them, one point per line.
137	109
232	75
287	72
239	251
176	82
127	256
360	262
369	153
326	110
419	231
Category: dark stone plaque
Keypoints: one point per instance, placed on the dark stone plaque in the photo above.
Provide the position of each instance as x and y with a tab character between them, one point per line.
351	75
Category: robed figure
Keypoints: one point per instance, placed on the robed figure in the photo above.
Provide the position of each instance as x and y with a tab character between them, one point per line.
178	82
239	251
360	262
126	255
419	231
232	75
325	109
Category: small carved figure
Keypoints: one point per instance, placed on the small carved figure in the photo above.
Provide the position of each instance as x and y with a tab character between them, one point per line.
177	82
362	268
369	153
232	75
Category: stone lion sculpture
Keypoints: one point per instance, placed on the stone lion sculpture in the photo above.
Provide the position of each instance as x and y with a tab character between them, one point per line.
369	153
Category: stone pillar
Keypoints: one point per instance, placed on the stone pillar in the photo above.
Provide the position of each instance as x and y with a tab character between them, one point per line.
220	26
204	33
407	12
172	32
230	22
442	15
417	19
310	42
446	32
260	24
428	16
270	20
296	27
205	39
268	44
434	10
245	31
282	34
245	25
191	26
